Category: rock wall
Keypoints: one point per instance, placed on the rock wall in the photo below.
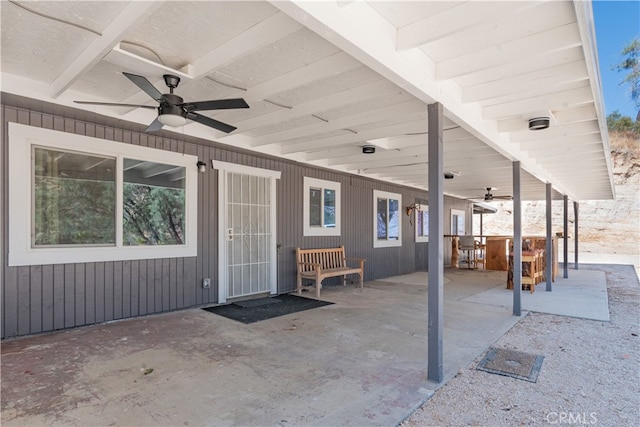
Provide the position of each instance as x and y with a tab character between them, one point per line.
605	226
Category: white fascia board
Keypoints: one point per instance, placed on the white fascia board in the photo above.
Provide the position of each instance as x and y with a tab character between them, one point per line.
586	25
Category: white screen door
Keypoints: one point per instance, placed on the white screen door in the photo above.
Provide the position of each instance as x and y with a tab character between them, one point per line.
247	215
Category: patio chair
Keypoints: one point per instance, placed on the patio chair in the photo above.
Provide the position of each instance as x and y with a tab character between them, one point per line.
468	248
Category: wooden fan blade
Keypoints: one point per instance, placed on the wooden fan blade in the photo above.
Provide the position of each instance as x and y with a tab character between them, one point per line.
215	104
114	104
207	121
145	85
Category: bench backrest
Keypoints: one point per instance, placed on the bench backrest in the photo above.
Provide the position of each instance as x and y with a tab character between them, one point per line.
327	257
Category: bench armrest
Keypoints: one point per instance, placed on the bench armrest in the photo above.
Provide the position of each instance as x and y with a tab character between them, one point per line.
361	261
313	264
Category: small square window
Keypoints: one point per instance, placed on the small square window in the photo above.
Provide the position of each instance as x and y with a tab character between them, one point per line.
321	207
422	223
387	226
457	222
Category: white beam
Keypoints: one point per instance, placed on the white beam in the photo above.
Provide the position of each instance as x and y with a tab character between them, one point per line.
262	34
391	155
531	17
550	145
541	80
570	131
319	144
377	89
449	21
384	162
573	97
371	116
560	38
126	20
329	66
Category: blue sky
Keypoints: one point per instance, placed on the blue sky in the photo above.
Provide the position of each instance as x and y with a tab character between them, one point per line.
617	23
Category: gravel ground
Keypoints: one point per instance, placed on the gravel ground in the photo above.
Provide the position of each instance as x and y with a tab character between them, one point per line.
590	374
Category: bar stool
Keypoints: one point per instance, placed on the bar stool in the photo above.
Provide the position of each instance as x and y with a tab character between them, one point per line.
468	247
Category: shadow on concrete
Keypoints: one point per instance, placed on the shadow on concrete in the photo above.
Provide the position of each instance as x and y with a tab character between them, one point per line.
360	361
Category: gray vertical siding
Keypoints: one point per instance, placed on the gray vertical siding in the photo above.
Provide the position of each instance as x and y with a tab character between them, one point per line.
43	298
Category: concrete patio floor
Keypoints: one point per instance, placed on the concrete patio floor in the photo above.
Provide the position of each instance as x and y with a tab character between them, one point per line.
360	361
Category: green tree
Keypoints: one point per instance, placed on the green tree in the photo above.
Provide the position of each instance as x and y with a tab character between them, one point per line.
153	215
631	65
616	122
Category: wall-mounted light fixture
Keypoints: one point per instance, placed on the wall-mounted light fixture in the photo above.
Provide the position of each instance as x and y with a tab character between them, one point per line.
202	166
539	123
410	209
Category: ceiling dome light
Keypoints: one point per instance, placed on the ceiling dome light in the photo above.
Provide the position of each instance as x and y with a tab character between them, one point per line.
172	120
172	115
538	123
368	149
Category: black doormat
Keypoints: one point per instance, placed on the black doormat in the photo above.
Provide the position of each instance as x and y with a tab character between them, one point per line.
511	363
251	311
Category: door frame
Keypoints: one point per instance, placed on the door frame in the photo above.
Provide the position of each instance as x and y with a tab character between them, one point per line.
223	168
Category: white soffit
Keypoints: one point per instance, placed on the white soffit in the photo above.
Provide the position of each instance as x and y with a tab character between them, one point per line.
325	78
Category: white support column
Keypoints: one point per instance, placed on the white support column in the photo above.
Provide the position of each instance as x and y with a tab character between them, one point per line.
435	364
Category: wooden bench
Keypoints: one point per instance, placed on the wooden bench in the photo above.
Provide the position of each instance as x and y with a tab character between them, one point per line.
318	264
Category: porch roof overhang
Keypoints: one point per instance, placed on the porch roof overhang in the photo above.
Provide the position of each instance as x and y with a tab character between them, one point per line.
325	78
482	208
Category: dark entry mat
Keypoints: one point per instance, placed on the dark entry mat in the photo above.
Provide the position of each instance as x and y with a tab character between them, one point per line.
512	363
265	308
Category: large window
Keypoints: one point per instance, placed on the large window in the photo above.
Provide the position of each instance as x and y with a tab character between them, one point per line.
321	207
387	227
81	199
422	223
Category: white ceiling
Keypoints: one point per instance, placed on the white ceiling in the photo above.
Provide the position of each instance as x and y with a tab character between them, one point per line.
325	78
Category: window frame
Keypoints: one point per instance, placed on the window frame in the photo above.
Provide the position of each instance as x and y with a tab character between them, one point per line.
462	214
308	184
22	138
378	243
421	208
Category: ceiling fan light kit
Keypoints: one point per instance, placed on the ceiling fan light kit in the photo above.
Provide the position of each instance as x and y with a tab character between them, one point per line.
172	110
170	114
539	123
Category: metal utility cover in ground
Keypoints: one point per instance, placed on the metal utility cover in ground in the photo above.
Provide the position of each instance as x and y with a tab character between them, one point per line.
512	363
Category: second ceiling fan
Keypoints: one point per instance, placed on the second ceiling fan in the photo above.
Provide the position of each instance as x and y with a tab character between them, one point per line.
172	110
489	196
